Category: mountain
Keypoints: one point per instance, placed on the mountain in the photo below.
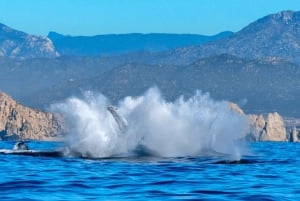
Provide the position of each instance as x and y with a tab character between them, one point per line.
125	43
259	86
25	77
273	36
17	44
257	67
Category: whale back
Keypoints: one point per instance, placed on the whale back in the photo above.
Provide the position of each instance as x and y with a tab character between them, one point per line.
20	146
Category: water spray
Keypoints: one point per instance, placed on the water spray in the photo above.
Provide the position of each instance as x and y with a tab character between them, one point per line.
194	126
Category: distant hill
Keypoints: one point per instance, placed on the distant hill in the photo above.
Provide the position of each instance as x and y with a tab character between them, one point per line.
126	43
23	77
258	85
273	36
17	44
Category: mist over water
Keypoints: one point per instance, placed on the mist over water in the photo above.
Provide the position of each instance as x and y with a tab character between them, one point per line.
186	127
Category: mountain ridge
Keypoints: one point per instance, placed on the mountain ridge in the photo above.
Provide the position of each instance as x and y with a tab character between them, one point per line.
275	35
18	44
126	43
258	86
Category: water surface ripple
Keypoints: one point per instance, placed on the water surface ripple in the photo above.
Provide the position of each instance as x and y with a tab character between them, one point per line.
272	173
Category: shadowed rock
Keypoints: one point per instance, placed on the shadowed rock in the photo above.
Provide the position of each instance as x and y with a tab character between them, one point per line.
294	135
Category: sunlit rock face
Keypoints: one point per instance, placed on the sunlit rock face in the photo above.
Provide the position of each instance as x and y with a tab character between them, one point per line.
17	44
269	128
18	122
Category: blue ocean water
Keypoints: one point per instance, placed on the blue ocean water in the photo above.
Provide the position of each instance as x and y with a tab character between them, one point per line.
271	173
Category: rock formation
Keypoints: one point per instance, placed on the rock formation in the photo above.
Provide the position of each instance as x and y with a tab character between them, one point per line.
257	127
275	129
294	135
17	44
269	128
234	107
18	122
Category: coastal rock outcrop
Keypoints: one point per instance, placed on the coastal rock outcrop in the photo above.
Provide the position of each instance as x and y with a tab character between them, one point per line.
268	128
18	122
294	135
234	107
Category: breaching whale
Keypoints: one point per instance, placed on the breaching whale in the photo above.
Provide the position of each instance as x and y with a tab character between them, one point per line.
141	150
121	121
21	148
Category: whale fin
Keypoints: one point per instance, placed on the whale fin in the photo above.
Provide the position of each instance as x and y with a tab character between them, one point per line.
21	145
121	121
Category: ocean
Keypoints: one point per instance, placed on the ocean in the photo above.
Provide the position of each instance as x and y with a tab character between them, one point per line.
147	148
271	172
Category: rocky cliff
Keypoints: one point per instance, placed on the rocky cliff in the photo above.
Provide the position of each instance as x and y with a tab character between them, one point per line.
268	128
294	135
18	122
17	44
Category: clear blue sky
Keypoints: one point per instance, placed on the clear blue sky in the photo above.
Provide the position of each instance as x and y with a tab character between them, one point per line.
92	17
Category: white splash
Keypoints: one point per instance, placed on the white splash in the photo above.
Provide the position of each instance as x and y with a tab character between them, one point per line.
188	127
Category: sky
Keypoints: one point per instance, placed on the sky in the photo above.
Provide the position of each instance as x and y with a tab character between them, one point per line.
95	17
